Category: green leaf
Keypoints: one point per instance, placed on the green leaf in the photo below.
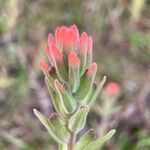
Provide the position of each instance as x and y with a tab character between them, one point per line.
55	98
66	99
97	91
83	60
61	72
74	77
78	119
59	126
87	99
87	138
86	85
97	144
49	125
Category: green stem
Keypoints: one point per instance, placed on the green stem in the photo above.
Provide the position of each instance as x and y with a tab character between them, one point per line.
62	146
71	141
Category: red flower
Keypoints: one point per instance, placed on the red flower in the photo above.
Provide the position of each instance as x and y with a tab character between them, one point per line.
67	38
112	88
68	46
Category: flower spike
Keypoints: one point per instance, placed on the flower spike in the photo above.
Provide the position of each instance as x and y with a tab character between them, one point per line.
70	82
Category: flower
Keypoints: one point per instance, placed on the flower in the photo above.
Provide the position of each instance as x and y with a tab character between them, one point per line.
70	81
112	88
68	46
71	66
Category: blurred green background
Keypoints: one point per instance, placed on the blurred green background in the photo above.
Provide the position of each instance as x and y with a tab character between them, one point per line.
121	32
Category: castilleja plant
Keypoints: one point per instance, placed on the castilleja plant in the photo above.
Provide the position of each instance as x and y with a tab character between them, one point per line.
70	81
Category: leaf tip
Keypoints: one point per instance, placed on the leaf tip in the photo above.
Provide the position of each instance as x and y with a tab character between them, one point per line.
112	132
35	111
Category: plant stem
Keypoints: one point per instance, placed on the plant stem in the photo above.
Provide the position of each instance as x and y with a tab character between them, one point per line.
71	141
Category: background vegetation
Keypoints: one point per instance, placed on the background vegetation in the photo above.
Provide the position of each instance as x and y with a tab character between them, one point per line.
120	29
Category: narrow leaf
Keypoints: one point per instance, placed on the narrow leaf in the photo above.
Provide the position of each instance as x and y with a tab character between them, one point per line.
46	123
86	85
77	121
55	98
83	46
97	144
59	127
86	139
97	91
66	99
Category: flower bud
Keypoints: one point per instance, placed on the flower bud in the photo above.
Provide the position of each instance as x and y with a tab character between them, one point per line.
112	88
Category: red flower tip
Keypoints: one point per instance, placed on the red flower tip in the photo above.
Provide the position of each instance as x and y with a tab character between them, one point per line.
75	29
67	37
57	36
61	36
73	59
71	38
58	85
90	44
57	55
92	69
44	66
47	51
112	88
51	39
83	43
